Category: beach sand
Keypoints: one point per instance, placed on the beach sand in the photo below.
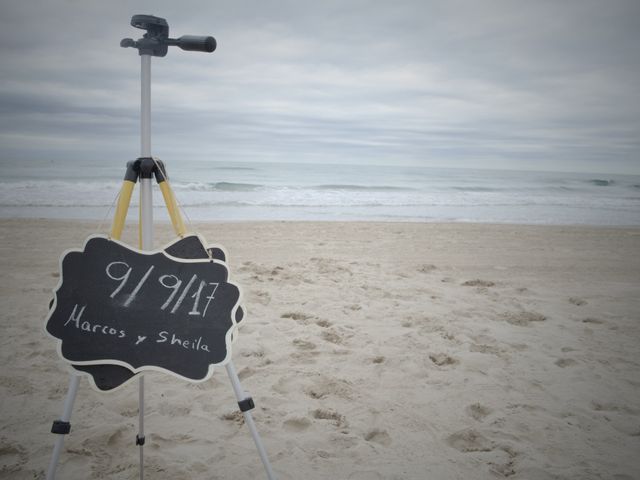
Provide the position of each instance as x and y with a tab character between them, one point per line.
372	351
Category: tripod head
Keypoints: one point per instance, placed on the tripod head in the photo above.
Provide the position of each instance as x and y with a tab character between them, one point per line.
156	41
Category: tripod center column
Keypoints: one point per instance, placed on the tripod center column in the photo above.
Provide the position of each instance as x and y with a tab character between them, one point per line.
145	106
146	199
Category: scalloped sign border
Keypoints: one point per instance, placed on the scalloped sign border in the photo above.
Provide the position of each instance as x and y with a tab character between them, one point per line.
143	310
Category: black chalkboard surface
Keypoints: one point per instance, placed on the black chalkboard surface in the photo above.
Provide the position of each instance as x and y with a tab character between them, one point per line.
107	377
143	310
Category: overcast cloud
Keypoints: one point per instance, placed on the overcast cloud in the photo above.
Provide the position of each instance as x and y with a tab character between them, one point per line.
544	85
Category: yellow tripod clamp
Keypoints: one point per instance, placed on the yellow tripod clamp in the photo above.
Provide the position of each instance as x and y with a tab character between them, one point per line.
146	167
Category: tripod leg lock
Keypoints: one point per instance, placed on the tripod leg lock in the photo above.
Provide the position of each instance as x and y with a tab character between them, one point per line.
140	440
60	427
246	404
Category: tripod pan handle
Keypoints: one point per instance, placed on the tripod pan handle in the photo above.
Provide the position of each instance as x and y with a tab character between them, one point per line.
196	43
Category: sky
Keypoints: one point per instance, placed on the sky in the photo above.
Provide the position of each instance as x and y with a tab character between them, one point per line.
522	85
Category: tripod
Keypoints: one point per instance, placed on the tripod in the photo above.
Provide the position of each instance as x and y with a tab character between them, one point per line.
154	43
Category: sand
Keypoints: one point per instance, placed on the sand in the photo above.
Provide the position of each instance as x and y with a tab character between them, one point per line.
372	350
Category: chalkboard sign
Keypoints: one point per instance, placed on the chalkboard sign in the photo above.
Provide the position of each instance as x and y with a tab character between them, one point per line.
107	377
144	310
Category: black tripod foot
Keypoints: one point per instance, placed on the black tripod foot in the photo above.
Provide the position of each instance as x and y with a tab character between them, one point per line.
60	427
246	404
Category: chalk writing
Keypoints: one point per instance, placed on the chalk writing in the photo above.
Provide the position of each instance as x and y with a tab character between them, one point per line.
86	326
143	310
163	280
138	287
192	344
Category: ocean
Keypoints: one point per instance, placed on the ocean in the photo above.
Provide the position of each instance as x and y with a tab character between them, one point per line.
216	191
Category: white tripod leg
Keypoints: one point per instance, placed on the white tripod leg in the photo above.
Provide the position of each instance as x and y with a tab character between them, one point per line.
62	425
146	242
246	403
140	436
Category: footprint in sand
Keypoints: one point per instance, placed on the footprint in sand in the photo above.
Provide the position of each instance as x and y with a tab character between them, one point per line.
118	437
324	386
611	407
334	417
478	411
13	458
259	269
329	266
478	283
565	362
300	317
235	417
306	352
577	301
160	442
523	319
354	307
442	359
488	349
594	321
379	359
378	436
470	440
368	475
426	268
245	373
332	337
172	410
18	386
257	353
303	344
507	467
